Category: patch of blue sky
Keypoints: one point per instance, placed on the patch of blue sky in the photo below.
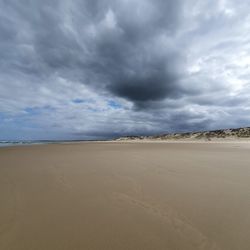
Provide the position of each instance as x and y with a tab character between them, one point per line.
2	116
37	110
83	100
113	104
78	101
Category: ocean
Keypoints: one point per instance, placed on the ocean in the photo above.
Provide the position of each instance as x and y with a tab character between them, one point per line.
22	143
6	143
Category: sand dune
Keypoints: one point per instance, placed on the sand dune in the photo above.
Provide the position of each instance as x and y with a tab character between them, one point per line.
121	195
230	134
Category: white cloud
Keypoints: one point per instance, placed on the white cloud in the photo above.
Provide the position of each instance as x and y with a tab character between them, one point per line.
80	51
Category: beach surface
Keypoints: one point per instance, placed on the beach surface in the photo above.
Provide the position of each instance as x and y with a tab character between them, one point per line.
122	195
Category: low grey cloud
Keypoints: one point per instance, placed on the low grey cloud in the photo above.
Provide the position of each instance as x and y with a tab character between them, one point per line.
166	65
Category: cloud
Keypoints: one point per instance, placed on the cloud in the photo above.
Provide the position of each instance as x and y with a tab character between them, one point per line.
114	67
124	49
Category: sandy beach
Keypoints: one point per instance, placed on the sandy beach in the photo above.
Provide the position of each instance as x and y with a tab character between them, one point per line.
121	195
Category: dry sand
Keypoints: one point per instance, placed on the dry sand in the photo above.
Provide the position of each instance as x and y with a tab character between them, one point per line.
122	195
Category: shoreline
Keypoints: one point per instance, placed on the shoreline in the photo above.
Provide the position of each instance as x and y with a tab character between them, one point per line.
17	145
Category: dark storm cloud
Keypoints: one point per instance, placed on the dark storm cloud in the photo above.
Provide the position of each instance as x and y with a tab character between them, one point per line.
130	58
125	48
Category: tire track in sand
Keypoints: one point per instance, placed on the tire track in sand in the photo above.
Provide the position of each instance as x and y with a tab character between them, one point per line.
178	222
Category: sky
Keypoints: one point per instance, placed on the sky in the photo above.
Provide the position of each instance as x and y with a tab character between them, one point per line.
97	69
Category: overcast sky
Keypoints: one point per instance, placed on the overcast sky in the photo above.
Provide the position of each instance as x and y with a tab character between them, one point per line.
87	69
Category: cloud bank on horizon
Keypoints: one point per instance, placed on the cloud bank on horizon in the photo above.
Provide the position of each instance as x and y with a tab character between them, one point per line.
86	69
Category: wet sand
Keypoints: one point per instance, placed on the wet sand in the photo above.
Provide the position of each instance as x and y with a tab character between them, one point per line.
122	195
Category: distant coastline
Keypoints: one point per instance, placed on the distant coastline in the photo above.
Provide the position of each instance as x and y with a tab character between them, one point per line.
211	135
